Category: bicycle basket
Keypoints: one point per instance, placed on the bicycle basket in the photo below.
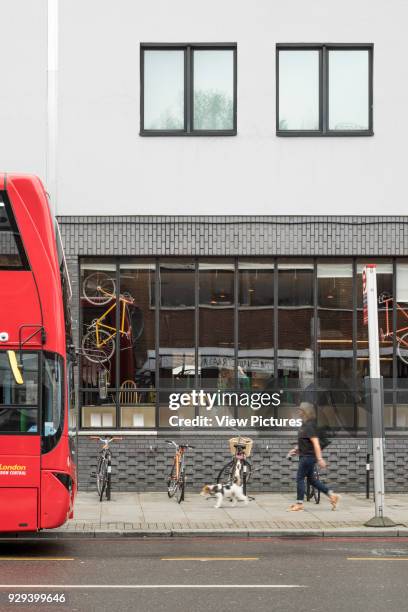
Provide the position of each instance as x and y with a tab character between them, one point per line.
248	442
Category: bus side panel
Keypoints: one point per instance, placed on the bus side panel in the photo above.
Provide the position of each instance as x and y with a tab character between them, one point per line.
56	502
18	509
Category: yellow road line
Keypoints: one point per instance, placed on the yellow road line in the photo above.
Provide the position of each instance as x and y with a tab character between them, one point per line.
209	558
37	559
377	558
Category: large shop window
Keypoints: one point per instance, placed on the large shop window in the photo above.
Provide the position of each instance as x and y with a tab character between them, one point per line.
324	90
234	325
400	338
295	334
118	344
385	320
335	381
177	334
188	90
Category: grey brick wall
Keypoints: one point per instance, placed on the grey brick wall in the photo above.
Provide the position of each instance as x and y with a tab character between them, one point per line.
143	463
218	235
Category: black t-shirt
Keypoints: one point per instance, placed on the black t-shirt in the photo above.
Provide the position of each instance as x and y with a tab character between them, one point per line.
307	431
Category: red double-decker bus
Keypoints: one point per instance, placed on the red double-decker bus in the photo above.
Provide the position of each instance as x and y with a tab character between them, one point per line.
37	439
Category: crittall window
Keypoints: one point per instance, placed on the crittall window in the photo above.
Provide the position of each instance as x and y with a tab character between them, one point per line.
324	90
188	89
152	327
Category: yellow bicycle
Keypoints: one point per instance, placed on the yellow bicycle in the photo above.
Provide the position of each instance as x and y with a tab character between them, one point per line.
98	344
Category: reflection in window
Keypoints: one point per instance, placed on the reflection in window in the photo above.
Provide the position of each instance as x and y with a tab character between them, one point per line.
213	89
177	312
19	402
98	308
216	325
385	309
348	90
137	359
255	320
163	89
295	325
401	335
12	254
52	400
299	89
324	90
189	89
335	325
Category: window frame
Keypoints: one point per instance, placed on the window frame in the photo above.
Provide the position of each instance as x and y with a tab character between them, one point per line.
14	229
394	388
188	49
324	49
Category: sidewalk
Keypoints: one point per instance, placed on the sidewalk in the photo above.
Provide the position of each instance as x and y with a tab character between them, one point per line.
144	514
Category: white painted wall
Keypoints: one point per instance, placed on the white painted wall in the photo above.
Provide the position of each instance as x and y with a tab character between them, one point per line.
23	85
105	167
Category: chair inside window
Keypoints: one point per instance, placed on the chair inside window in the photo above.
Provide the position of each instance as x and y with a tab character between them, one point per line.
128	393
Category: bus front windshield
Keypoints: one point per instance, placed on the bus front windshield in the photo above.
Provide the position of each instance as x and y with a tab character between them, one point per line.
19	400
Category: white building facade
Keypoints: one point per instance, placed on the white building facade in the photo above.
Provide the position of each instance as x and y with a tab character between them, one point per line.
223	173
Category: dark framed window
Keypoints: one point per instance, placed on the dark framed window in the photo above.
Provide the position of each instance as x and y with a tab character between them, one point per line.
188	89
324	89
291	325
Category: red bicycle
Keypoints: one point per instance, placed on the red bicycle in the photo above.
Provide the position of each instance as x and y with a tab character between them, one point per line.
401	334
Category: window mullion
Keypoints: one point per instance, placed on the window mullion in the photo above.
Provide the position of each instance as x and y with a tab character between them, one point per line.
324	90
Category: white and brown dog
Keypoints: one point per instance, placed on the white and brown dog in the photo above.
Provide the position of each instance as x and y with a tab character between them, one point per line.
230	491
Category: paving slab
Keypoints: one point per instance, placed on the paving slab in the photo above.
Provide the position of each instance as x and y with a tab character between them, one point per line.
154	514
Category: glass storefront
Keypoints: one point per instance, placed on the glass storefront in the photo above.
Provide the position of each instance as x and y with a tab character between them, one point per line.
150	327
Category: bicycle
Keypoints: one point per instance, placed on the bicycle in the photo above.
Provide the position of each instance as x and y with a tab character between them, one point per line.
311	491
104	467
98	343
176	483
402	341
239	469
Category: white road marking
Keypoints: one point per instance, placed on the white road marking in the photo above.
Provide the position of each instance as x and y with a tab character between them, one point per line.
209	559
152	586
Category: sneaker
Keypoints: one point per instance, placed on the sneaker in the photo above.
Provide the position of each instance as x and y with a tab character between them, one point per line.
334	500
296	508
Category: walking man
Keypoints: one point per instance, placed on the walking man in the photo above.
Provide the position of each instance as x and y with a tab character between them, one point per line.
310	453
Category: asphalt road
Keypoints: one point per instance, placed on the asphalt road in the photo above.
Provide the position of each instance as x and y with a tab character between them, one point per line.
207	574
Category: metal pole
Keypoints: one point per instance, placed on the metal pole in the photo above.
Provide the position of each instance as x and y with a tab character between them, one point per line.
368	476
52	102
376	391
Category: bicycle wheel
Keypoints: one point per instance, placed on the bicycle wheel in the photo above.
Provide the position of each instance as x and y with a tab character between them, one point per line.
226	473
402	351
309	490
98	352
248	467
99	476
103	479
172	481
181	485
316	495
99	288
108	484
314	491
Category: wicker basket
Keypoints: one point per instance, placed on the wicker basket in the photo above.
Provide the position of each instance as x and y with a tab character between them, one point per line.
248	442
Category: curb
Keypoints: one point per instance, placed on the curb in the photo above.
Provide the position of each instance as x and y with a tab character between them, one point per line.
189	533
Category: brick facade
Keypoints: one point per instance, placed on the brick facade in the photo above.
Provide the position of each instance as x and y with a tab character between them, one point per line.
142	462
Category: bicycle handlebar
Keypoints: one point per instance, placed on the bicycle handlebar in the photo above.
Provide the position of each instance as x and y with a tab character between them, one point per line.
172	443
105	440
